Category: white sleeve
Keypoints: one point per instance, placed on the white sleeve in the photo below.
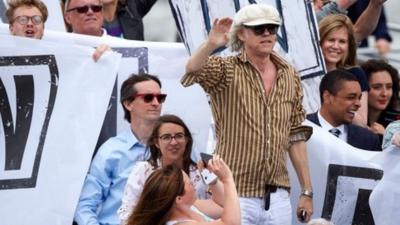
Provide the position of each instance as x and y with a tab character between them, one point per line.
133	189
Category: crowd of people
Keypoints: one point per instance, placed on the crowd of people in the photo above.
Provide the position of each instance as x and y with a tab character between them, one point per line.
145	175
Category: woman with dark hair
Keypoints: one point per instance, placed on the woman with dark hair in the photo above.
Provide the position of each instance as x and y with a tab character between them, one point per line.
169	198
339	48
383	96
170	143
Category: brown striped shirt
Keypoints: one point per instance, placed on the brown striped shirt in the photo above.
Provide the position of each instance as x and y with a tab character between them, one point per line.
253	130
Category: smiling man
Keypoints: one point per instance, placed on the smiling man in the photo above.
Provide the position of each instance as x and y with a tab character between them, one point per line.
340	95
27	18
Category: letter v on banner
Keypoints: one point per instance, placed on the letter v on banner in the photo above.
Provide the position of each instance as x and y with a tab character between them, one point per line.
24	118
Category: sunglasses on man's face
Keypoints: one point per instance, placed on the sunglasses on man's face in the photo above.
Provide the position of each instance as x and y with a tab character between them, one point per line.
85	8
149	97
260	29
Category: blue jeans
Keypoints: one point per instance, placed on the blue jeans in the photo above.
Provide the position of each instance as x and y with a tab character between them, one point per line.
279	213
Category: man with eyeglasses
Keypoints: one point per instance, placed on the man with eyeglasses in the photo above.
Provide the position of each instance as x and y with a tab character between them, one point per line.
27	18
101	195
256	100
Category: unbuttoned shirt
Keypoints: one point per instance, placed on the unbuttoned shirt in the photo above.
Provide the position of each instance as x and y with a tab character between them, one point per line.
104	185
253	130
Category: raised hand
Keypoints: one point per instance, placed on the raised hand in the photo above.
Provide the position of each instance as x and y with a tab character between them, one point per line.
219	168
100	51
218	35
377	128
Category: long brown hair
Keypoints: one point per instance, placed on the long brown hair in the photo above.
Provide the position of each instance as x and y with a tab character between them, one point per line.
332	23
158	196
374	65
155	152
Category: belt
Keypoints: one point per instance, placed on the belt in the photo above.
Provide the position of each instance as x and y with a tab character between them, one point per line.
267	197
270	188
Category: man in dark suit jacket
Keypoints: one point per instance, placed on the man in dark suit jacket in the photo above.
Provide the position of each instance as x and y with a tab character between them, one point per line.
340	95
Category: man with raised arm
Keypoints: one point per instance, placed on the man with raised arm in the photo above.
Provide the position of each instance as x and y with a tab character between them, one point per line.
256	101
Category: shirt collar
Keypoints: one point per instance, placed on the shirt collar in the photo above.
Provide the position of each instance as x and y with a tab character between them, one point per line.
132	140
279	62
327	126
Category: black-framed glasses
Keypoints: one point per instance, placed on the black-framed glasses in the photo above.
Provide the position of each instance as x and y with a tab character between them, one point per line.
23	20
85	8
167	138
260	29
148	97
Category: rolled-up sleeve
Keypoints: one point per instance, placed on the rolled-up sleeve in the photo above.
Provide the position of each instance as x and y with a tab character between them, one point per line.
214	76
298	132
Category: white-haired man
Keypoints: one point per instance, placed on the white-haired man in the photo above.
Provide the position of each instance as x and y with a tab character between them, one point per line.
256	100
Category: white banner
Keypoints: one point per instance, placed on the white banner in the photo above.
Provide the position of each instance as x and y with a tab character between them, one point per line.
53	99
73	130
385	198
342	176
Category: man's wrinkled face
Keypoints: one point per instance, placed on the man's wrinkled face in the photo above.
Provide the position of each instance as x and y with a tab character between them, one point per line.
85	17
27	22
259	40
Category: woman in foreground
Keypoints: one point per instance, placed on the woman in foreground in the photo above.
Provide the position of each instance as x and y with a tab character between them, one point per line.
169	198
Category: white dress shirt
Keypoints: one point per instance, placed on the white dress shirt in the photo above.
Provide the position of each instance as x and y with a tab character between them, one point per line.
327	126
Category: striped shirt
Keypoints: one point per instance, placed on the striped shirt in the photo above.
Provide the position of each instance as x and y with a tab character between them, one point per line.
253	130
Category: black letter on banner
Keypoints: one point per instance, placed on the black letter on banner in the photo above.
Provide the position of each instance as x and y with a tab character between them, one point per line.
16	140
109	128
362	213
3	12
16	137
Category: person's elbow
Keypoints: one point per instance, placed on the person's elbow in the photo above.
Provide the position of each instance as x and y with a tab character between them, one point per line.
190	66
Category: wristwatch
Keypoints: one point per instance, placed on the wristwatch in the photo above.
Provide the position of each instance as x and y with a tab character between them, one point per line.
308	193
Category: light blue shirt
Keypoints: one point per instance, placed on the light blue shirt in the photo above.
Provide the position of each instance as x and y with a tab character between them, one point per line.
104	185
